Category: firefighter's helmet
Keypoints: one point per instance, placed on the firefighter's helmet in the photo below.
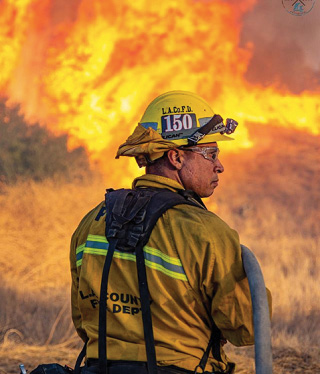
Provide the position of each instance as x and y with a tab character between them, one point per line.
184	118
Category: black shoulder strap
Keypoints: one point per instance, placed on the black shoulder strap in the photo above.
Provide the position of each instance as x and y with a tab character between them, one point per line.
117	204
130	219
144	206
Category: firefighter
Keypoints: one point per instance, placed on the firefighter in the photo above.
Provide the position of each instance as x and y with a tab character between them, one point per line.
198	289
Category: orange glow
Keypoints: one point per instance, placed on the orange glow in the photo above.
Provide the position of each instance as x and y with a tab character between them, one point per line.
90	68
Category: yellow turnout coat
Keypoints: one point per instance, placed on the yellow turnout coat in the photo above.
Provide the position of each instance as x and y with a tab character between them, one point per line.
194	271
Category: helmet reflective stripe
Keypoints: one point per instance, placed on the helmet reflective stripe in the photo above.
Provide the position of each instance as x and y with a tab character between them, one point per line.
179	115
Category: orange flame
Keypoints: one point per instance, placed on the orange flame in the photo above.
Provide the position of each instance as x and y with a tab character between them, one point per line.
90	68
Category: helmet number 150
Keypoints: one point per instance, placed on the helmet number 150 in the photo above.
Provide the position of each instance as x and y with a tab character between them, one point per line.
177	122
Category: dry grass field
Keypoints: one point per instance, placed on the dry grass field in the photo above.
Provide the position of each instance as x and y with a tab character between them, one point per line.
270	194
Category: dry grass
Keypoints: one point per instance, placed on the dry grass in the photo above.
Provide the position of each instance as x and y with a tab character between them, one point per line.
269	195
12	354
37	221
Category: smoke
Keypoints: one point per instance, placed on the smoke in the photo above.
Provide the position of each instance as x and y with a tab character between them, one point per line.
285	47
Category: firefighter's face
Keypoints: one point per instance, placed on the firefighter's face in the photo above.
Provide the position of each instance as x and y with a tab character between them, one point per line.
201	174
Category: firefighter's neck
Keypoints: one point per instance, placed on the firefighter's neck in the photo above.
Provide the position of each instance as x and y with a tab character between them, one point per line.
167	174
169	166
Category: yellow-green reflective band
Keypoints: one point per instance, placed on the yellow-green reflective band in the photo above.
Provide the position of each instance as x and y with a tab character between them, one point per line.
80	248
154	258
165	271
79	254
97	238
170	266
156	252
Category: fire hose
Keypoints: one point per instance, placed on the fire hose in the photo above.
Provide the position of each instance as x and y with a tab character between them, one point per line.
261	316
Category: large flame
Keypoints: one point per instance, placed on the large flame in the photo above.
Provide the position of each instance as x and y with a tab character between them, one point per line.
90	68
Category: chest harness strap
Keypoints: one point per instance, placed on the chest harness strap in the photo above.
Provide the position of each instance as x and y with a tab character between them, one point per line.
130	218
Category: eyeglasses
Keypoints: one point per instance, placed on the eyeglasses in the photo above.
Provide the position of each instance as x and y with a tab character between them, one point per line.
209	153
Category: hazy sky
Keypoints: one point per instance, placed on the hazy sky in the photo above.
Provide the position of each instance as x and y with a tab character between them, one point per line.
287	46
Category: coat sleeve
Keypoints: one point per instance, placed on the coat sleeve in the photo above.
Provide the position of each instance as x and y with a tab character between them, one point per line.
76	315
231	306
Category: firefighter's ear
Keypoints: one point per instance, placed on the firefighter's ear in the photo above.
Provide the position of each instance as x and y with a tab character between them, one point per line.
176	158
